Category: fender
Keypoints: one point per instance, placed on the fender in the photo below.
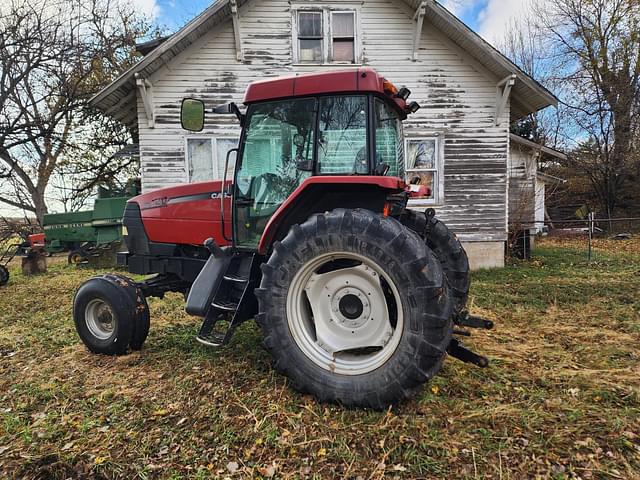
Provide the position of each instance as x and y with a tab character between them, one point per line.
323	193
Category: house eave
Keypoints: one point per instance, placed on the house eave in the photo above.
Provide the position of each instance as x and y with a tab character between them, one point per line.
125	85
536	146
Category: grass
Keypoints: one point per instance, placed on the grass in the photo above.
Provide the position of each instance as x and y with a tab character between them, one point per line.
561	398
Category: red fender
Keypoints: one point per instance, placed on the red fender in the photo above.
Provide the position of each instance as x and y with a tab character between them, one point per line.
391	184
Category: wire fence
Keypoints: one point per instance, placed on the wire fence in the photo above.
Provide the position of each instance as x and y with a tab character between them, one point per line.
588	228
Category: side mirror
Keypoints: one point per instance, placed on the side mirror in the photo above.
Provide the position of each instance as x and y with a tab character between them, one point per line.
192	114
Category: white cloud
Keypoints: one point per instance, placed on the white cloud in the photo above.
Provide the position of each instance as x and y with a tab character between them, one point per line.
496	17
458	7
149	8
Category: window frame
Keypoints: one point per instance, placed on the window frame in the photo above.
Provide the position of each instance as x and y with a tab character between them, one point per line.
438	170
331	38
326	10
213	139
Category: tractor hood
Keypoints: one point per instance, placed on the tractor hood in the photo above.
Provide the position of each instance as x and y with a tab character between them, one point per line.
182	215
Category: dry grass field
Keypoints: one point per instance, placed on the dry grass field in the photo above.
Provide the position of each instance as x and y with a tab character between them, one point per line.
560	399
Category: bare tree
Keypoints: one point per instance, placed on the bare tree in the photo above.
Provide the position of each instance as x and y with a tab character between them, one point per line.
596	48
54	57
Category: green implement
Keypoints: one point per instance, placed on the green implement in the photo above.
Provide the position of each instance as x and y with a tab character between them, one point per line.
82	233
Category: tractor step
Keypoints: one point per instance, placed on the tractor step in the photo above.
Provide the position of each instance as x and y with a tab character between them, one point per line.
235	279
225	306
457	350
214	339
232	298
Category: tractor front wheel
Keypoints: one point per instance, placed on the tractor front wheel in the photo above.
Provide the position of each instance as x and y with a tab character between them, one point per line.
111	315
355	309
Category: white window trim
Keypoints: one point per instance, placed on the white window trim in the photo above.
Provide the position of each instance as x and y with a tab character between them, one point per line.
213	139
327	37
438	194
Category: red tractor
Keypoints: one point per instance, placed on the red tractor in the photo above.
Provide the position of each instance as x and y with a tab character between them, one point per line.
357	296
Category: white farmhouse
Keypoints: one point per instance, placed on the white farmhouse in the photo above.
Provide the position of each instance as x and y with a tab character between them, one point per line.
469	93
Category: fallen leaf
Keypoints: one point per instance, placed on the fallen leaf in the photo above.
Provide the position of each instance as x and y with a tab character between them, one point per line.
233	467
399	468
160	413
181	421
67	445
3	449
268	471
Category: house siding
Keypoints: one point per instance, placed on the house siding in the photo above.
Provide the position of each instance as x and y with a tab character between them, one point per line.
457	95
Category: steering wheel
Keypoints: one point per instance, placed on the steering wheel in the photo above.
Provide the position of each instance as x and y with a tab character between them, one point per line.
264	191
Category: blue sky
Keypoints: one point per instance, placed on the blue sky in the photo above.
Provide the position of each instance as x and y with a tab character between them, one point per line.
487	17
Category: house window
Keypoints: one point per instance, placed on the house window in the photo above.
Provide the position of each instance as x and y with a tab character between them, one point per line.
424	162
206	157
310	37
325	36
343	37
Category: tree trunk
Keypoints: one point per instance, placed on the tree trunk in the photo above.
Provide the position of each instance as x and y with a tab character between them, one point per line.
40	205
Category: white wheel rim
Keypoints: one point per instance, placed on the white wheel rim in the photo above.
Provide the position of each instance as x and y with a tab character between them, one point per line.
100	319
341	318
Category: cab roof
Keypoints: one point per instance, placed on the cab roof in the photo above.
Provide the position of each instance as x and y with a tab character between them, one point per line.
362	80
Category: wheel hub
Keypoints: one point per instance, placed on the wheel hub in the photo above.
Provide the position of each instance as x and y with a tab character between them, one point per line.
100	319
349	309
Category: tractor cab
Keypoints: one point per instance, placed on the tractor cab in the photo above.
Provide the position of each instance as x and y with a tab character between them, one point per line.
336	124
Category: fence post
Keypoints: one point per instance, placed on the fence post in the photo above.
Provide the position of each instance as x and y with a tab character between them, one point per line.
590	224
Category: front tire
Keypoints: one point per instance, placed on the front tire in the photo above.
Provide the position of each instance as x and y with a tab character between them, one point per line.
355	309
111	315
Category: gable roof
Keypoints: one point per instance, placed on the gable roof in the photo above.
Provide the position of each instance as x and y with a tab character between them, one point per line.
118	99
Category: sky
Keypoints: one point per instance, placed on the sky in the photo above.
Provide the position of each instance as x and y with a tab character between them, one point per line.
489	18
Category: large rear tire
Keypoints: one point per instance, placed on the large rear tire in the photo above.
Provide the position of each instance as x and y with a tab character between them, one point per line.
355	309
444	243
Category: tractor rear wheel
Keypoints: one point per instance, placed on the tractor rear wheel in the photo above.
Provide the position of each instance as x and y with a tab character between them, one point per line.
4	275
355	309
444	243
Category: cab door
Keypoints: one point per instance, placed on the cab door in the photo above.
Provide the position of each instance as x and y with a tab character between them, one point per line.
276	156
